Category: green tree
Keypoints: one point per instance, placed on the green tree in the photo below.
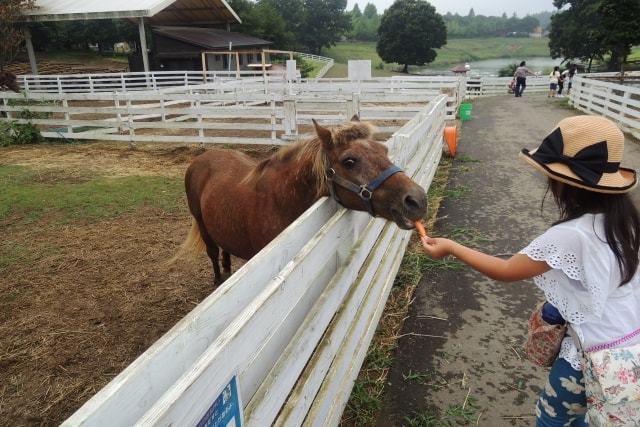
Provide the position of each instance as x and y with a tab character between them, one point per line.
325	23
11	32
370	11
293	13
574	33
590	29
409	33
472	13
621	29
262	20
355	12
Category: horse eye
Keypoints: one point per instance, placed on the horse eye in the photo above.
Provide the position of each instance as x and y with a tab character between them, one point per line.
349	162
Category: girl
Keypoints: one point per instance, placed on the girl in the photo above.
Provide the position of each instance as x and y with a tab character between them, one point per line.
586	263
553	82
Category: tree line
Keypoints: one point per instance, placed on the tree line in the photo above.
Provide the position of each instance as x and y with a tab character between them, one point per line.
588	30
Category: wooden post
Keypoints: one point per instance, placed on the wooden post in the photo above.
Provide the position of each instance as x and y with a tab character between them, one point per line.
204	67
237	65
143	45
67	116
30	51
290	117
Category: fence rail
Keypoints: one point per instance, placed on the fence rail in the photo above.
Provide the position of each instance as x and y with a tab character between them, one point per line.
239	111
492	86
154	80
293	324
618	102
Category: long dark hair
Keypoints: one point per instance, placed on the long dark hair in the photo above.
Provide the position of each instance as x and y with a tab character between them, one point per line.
621	221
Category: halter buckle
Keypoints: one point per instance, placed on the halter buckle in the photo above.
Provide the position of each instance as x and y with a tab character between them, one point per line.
365	193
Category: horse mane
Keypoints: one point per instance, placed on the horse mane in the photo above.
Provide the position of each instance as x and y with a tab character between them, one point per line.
310	152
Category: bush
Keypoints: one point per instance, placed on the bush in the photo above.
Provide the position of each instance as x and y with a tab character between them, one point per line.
508	70
12	133
306	67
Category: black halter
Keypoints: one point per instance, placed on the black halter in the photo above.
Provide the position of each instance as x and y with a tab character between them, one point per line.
365	191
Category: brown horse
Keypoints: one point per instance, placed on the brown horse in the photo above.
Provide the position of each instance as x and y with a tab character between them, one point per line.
239	204
9	81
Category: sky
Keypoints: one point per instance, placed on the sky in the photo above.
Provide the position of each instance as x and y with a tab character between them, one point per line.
481	7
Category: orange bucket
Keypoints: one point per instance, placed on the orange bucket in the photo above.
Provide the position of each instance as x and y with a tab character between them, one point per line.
451	138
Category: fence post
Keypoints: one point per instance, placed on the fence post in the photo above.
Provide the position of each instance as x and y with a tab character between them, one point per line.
624	105
90	84
353	106
116	102
9	114
290	117
60	91
132	132
67	116
200	129
273	117
123	83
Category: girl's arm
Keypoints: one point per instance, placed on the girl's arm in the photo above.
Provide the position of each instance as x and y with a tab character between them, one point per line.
518	267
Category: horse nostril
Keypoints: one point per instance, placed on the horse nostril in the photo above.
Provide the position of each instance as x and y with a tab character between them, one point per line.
411	203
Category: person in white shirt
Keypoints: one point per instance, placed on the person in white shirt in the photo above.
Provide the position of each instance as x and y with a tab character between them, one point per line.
586	263
553	82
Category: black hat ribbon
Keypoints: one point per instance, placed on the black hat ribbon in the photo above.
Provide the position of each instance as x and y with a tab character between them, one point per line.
589	163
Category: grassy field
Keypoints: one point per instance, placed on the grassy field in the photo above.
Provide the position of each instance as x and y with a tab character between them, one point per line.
456	51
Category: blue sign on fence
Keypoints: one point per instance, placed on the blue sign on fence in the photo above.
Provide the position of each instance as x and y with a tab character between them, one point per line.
226	410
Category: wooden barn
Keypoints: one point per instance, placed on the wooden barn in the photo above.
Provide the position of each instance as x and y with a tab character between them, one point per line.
180	48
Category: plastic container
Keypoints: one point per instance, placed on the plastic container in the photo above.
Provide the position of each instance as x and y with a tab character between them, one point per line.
465	111
451	138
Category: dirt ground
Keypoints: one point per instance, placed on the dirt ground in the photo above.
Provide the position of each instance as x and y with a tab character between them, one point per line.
99	292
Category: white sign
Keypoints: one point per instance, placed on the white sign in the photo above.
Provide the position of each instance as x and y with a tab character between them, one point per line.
360	70
291	69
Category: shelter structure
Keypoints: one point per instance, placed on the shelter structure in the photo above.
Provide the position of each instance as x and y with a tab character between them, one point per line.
157	12
181	48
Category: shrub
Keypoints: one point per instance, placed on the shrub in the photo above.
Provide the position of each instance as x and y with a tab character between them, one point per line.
508	70
12	133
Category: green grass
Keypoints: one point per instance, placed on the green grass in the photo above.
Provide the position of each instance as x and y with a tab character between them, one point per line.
26	195
454	52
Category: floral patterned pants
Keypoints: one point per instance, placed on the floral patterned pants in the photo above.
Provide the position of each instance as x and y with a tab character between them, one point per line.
562	402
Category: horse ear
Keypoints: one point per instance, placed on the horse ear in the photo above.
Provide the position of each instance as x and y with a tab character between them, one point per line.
324	134
355	118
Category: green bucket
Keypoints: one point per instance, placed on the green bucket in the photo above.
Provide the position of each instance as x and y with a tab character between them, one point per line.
465	111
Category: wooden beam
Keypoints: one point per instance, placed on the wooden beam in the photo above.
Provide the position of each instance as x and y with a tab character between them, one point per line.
143	45
30	51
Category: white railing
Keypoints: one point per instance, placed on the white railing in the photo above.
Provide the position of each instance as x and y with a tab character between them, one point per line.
492	86
328	63
293	324
618	102
154	80
271	111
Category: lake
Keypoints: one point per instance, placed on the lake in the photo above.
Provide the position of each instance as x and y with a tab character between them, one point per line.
490	67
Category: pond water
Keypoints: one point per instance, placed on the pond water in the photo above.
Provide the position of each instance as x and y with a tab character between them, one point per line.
490	67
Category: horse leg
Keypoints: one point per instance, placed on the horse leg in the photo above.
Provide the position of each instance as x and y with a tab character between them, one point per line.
226	263
213	252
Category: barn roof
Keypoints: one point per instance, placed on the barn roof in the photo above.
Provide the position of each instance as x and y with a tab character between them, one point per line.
210	38
163	12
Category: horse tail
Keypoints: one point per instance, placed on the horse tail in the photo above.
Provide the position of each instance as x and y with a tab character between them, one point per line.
192	245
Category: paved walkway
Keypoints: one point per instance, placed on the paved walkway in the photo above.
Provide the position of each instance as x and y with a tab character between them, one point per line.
476	373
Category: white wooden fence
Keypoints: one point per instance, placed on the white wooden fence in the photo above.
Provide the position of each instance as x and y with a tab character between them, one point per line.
258	110
618	102
154	80
492	86
294	323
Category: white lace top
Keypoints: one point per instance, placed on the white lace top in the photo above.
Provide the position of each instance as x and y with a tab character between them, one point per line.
583	284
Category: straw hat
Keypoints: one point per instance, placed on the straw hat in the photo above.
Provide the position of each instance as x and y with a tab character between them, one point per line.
585	152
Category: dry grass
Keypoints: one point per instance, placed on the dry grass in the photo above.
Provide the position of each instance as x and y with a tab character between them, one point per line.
366	397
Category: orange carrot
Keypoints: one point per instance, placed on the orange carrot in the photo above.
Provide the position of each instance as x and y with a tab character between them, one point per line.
420	228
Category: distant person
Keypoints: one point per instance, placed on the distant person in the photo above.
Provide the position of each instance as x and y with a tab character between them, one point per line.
521	78
570	73
561	79
553	82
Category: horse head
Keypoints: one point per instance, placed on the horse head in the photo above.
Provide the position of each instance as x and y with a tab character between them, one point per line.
9	80
360	175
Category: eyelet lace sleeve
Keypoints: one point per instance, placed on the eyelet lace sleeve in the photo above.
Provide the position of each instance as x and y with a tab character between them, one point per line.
578	282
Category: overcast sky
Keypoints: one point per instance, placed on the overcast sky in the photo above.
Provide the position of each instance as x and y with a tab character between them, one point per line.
481	7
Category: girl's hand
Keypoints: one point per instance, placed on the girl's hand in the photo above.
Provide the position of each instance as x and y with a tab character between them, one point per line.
436	247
